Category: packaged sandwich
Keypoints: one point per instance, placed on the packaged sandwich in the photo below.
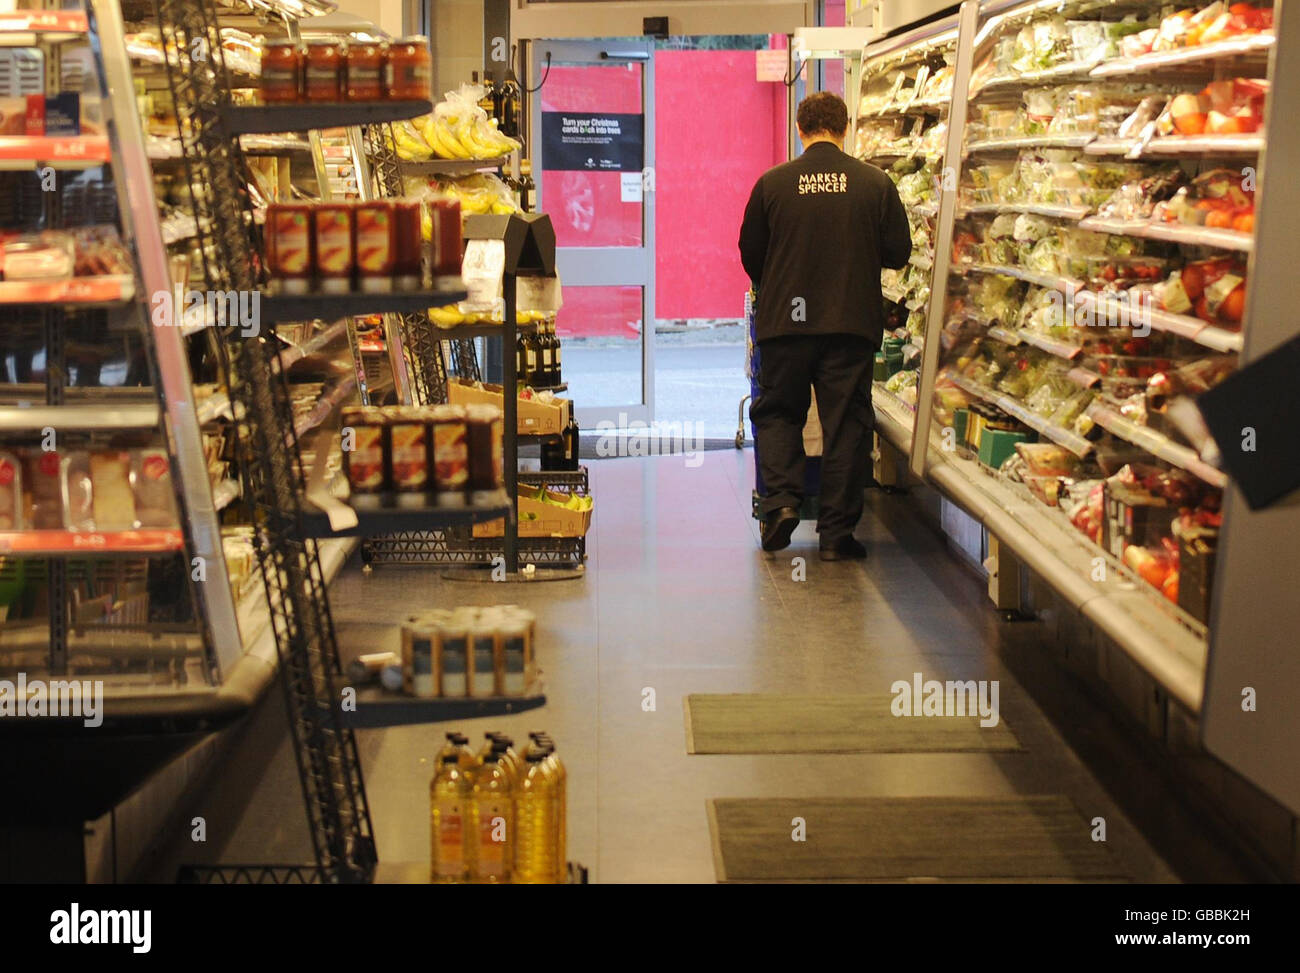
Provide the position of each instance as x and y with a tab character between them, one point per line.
43	486
151	483
112	500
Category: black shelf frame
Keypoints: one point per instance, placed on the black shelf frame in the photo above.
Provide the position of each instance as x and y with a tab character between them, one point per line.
309	307
377	708
450	167
302	116
381	514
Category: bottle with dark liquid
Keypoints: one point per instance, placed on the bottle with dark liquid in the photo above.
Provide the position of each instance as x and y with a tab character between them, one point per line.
559	370
521	361
531	357
546	357
571	442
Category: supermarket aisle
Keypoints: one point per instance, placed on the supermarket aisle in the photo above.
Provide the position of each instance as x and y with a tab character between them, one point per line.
679	600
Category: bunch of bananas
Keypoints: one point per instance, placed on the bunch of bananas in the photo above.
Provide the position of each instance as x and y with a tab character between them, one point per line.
454	315
409	144
574	501
459	133
480	194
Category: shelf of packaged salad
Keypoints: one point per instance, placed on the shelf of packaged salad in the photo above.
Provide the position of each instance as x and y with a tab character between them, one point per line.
1202	236
1102	305
1254	47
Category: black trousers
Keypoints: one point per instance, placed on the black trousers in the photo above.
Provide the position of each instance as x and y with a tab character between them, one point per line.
838	369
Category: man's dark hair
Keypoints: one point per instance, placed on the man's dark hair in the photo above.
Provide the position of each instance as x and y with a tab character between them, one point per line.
823	113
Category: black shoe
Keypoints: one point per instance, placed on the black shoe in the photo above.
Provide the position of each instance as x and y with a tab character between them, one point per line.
844	549
777	528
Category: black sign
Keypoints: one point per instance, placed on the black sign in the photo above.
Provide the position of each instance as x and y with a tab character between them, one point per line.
591	142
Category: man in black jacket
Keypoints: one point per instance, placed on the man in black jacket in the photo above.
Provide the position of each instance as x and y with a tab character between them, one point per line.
816	233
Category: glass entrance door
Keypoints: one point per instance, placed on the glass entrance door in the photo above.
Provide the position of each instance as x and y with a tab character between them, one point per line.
592	122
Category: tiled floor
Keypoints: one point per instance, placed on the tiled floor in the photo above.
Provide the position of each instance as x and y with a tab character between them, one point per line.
678	599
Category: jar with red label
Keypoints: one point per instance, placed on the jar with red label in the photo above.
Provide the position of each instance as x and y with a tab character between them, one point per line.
408	265
365	71
409	69
282	70
445	217
289	239
365	438
323	75
335	259
376	235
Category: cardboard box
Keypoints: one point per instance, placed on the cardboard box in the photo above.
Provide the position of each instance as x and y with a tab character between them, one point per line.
23	115
997	444
551	520
1196	553
1133	517
534	418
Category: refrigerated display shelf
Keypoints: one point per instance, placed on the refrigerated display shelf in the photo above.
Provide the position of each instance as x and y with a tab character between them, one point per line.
1063	284
1017	410
88	417
895	419
303	116
91	543
1202	236
1194	329
1207	145
1053	346
1065	141
55	151
1144	624
1060	211
1185	326
1158	445
1209	57
1069	71
28	28
105	290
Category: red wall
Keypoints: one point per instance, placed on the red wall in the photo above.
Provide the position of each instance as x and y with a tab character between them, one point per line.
717	130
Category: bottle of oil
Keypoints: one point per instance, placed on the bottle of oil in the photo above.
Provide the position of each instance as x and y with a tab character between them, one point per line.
457	744
536	820
562	804
450	794
492	820
509	759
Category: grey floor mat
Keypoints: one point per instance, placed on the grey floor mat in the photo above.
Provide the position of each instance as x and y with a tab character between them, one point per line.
1041	838
770	723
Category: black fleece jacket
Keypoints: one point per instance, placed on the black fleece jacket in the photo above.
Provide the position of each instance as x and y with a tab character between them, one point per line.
816	233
